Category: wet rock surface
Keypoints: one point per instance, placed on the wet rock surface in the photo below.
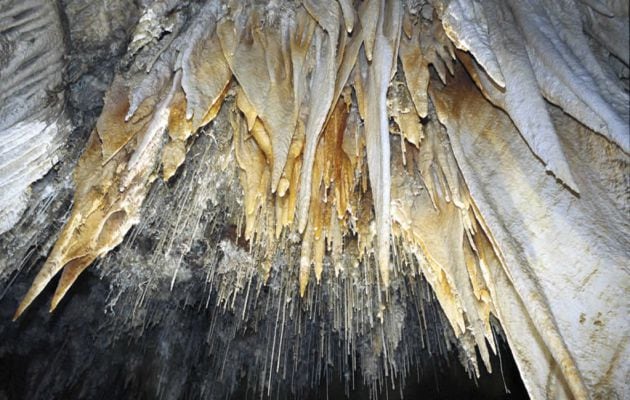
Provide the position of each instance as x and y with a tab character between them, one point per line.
200	286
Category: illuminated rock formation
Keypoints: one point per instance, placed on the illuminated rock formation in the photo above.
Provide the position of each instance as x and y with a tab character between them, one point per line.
481	145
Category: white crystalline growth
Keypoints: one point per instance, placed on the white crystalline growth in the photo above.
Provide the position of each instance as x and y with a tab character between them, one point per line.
27	151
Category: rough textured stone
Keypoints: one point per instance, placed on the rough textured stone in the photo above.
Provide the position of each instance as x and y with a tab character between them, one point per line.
278	191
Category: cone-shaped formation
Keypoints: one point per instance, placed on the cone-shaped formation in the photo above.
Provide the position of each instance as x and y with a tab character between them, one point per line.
338	143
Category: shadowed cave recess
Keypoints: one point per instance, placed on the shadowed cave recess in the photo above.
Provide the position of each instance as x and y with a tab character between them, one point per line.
314	199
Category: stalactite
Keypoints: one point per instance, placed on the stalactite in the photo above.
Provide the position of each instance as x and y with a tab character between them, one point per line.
345	126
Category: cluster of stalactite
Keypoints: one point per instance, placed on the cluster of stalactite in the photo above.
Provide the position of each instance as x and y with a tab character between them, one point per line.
338	114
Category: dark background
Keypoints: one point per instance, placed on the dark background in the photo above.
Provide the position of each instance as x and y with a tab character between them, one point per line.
79	351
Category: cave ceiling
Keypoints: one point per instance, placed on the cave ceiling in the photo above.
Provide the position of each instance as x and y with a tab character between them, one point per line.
365	177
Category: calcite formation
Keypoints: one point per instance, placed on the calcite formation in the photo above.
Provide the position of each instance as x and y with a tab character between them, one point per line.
33	125
480	144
